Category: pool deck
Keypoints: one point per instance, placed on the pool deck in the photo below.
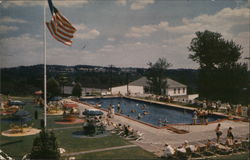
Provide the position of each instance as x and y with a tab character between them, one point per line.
154	138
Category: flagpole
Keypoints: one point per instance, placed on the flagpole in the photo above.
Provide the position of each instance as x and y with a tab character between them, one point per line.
45	72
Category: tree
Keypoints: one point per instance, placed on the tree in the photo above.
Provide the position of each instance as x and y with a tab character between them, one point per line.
77	90
45	146
63	80
221	76
53	87
156	75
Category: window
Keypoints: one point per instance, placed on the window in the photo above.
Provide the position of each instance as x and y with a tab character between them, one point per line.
184	90
179	90
174	90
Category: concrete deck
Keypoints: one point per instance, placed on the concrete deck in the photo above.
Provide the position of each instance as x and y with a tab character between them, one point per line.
154	139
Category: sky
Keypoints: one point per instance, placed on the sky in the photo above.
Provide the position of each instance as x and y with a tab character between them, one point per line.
123	33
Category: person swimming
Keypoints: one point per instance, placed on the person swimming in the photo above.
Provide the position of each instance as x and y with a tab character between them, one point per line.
146	112
139	116
133	111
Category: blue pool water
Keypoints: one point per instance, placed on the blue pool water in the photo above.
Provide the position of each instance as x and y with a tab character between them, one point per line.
157	112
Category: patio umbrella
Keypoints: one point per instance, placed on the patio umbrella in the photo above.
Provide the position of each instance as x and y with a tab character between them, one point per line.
21	113
16	103
70	105
55	98
38	92
92	112
20	116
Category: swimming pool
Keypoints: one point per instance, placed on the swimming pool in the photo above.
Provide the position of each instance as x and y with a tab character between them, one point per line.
157	112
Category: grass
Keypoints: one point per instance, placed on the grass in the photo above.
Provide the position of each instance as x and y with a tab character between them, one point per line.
17	147
119	154
237	156
75	144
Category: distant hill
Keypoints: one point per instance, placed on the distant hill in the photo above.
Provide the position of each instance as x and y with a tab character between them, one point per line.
24	80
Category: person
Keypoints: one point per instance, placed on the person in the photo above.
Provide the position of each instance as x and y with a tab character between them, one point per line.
119	107
209	143
218	132
142	107
108	121
109	110
205	115
204	104
126	131
201	116
195	117
139	116
228	106
213	107
36	114
133	111
112	112
185	144
230	137
145	112
109	107
169	151
130	129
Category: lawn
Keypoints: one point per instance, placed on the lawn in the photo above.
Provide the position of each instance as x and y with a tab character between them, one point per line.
73	144
119	154
16	147
238	156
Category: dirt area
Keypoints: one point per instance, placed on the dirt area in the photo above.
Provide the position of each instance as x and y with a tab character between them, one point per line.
25	132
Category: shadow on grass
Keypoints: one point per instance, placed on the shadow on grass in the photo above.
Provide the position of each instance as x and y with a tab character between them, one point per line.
9	143
81	134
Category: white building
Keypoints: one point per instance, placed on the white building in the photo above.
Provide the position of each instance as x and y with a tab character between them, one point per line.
141	86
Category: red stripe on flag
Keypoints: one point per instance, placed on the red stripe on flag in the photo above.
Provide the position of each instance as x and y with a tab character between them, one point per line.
55	33
57	38
65	20
64	28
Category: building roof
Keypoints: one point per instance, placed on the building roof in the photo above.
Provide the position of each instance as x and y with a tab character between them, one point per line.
143	81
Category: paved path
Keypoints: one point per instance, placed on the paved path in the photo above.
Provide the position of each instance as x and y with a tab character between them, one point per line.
99	150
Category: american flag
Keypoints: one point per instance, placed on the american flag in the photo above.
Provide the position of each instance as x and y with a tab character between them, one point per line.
60	28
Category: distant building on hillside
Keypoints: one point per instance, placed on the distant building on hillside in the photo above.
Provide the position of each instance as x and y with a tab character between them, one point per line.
140	87
87	91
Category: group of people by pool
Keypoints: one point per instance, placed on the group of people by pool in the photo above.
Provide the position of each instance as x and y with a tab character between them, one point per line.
141	110
230	136
211	147
201	115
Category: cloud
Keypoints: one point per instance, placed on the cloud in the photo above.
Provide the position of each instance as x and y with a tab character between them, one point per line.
92	34
5	29
21	50
140	4
11	20
83	32
121	2
233	24
61	3
111	39
107	48
142	31
222	22
138	54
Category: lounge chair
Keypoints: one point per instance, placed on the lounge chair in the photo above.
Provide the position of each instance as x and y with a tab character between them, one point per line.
136	135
